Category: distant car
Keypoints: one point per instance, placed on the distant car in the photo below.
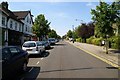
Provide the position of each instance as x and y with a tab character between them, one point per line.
33	47
46	44
52	40
14	60
70	39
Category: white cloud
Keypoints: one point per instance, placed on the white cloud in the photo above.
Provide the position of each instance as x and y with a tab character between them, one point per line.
91	5
62	14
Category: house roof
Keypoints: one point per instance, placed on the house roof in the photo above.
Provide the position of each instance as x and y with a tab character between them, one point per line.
22	14
9	14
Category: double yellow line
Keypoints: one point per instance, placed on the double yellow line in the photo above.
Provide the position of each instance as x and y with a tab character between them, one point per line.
105	60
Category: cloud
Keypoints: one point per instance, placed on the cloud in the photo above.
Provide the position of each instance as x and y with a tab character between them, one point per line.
62	14
91	5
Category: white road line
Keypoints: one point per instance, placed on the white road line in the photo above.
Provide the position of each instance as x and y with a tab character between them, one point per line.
41	58
38	62
30	69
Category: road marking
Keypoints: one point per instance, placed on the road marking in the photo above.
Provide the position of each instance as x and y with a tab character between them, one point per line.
38	62
30	69
104	60
42	58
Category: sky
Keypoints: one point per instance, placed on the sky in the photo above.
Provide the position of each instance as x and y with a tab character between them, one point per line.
62	15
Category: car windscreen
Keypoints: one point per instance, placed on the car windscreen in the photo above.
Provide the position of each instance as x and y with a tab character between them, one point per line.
39	43
29	45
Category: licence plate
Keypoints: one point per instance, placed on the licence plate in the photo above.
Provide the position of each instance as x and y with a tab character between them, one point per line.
28	49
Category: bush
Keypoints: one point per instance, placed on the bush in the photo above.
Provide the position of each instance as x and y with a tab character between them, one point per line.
89	40
97	41
115	42
79	40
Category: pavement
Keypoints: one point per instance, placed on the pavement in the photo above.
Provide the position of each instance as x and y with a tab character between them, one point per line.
112	58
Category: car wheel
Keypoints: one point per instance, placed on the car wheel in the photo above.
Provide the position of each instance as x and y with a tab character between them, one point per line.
24	67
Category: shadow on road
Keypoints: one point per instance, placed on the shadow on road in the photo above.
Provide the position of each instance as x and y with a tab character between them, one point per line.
50	48
44	54
74	69
115	51
58	44
31	73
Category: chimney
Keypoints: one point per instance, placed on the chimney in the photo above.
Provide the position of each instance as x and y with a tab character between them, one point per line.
5	5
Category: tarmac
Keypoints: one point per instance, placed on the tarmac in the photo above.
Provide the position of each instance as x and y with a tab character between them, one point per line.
112	58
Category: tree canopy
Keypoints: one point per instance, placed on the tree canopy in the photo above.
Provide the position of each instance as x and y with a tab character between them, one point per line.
104	16
41	26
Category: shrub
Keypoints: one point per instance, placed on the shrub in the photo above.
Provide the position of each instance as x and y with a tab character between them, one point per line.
89	40
97	41
115	42
79	39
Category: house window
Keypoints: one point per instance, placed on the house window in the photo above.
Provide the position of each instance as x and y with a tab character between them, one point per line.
15	25
27	19
11	23
19	27
26	28
3	21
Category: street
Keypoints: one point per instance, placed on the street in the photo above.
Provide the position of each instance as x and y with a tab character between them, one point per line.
67	61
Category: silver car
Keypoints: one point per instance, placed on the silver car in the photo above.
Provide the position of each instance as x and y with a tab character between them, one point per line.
33	47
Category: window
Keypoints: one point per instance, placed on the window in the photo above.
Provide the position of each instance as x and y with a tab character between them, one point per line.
27	19
3	21
15	25
26	28
19	27
29	45
5	54
14	50
11	23
30	21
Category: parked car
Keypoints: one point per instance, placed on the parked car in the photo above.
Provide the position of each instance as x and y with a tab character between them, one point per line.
14	60
52	40
33	47
46	44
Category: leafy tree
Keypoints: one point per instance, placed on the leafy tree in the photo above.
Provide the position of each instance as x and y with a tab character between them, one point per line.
52	34
82	31
70	34
90	27
104	16
41	26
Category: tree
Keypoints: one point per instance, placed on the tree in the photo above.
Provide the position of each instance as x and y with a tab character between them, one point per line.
83	31
104	16
41	26
52	34
70	34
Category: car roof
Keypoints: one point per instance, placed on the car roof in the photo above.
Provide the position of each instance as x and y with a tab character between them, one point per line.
30	42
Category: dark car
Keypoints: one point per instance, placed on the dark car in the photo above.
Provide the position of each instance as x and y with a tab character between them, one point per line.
14	60
46	44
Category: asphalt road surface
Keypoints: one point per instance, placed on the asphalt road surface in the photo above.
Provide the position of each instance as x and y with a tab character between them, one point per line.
66	61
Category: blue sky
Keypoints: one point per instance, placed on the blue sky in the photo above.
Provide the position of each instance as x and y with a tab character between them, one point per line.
62	15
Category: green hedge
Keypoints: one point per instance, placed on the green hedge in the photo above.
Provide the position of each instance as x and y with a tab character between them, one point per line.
115	42
95	41
89	40
79	40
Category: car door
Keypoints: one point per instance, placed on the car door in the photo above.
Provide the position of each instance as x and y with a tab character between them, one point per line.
7	64
17	58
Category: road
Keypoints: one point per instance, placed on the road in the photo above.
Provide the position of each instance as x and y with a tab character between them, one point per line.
67	61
